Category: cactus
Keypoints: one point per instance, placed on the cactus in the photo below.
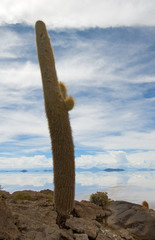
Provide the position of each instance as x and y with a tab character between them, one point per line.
145	204
69	101
63	90
55	95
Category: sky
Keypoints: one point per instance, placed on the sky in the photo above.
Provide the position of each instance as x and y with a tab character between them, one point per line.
105	54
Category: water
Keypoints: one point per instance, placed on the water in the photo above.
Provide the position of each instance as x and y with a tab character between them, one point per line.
134	186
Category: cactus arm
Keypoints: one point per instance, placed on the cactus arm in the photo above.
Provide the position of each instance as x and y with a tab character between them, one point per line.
59	125
69	101
63	90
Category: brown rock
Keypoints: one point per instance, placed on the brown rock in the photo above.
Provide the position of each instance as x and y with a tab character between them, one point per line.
81	236
108	235
47	233
132	217
125	234
8	230
89	211
35	218
81	225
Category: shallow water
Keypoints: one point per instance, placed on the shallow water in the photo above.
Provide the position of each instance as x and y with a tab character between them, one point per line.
134	186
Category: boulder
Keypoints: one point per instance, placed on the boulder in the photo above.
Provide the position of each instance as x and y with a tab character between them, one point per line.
81	236
108	235
134	218
8	229
80	225
31	215
87	210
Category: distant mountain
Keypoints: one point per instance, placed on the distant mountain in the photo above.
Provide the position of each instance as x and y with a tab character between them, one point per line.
24	170
114	170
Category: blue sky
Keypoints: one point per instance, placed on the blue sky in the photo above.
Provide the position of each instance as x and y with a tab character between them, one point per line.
105	53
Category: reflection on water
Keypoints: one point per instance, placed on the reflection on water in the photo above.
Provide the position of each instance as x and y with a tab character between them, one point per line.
135	186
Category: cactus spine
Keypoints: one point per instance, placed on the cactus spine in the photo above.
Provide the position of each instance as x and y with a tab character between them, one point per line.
55	96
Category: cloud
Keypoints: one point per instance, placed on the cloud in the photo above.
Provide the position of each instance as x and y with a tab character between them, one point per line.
142	158
107	72
133	187
11	40
79	14
102	160
117	159
99	179
38	161
29	180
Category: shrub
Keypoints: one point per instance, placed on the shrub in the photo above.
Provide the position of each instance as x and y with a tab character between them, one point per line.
49	196
145	204
22	196
100	199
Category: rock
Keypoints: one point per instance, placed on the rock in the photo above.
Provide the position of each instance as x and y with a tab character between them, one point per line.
87	210
8	229
5	194
47	233
125	234
108	235
134	218
35	218
80	225
81	236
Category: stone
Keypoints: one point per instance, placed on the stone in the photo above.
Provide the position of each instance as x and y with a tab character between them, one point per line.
81	225
132	217
87	210
81	236
108	235
35	218
48	233
8	229
125	234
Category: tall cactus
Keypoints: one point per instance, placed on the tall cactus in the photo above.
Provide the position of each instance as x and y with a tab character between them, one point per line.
57	107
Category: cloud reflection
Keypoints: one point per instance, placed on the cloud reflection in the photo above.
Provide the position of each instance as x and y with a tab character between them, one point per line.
134	186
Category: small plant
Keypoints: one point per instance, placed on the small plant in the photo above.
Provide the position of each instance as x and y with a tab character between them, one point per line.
22	196
100	199
145	204
49	197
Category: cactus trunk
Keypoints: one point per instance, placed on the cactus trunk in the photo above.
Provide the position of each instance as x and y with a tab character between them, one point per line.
59	125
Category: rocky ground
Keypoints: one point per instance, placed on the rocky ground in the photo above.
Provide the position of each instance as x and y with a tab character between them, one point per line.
30	215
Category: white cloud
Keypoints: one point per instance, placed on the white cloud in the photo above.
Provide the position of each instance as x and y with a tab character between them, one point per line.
99	179
28	179
117	159
11	40
107	126
110	113
82	13
106	159
130	140
38	161
20	75
142	158
22	122
102	160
